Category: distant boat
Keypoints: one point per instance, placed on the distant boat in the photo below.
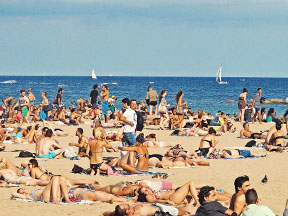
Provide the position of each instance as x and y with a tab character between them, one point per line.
243	80
151	82
114	83
93	75
9	82
219	76
110	74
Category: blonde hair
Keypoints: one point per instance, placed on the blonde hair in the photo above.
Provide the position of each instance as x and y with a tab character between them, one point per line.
99	135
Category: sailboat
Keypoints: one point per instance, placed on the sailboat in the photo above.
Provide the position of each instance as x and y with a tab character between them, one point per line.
93	75
219	76
110	74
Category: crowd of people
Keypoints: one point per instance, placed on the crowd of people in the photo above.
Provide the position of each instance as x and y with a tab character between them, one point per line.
25	122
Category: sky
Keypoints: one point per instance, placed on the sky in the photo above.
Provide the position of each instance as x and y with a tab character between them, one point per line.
144	38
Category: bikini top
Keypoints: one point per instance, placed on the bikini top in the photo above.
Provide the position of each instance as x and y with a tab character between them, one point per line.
278	137
141	155
209	141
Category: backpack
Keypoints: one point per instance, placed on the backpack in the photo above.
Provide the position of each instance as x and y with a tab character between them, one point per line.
25	154
140	121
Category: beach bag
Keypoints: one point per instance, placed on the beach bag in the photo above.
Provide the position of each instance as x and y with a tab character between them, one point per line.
162	109
251	143
69	153
77	169
25	154
140	122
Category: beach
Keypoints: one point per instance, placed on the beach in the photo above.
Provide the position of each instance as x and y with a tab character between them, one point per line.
221	174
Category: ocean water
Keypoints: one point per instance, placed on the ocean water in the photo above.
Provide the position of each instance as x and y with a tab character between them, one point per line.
200	92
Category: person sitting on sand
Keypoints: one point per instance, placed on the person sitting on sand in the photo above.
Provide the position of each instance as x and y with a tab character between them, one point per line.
227	127
253	209
47	147
75	118
149	210
238	202
278	137
82	143
246	133
172	197
207	143
95	151
142	156
209	205
54	192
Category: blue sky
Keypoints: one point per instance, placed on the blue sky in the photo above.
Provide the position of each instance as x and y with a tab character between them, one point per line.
144	38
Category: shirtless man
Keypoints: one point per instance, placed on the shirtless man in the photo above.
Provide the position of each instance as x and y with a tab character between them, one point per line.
95	147
82	143
75	118
9	103
48	147
238	202
105	104
246	133
149	210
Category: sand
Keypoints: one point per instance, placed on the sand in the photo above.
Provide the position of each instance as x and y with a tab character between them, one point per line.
221	174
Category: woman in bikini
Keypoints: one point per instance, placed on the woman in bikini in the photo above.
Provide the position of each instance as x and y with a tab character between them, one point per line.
95	151
172	197
242	104
54	192
277	140
179	110
207	143
142	156
164	117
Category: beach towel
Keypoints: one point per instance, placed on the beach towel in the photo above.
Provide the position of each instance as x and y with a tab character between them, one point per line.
60	203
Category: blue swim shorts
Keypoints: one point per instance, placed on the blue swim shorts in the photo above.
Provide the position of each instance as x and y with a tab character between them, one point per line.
245	153
50	155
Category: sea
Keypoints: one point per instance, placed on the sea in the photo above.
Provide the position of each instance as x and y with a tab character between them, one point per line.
199	92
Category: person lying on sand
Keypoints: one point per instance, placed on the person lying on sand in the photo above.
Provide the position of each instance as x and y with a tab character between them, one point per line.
148	210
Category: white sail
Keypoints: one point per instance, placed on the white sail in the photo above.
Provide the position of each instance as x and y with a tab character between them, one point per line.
219	74
110	74
93	75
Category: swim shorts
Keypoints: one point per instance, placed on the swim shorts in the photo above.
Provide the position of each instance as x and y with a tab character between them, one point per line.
105	107
18	135
50	155
24	112
166	209
245	153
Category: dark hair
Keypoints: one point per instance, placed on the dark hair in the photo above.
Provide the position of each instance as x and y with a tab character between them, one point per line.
278	125
105	86
133	100
251	196
149	88
118	211
176	132
285	114
262	110
95	86
161	95
22	90
141	196
60	89
34	162
244	125
259	89
45	93
211	131
36	126
49	133
245	90
18	190
73	110
179	93
126	101
270	111
239	182
140	138
204	192
44	129
80	130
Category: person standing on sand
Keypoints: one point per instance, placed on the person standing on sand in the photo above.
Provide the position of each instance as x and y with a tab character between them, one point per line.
256	104
179	110
58	98
152	97
31	95
242	104
24	104
105	104
238	202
